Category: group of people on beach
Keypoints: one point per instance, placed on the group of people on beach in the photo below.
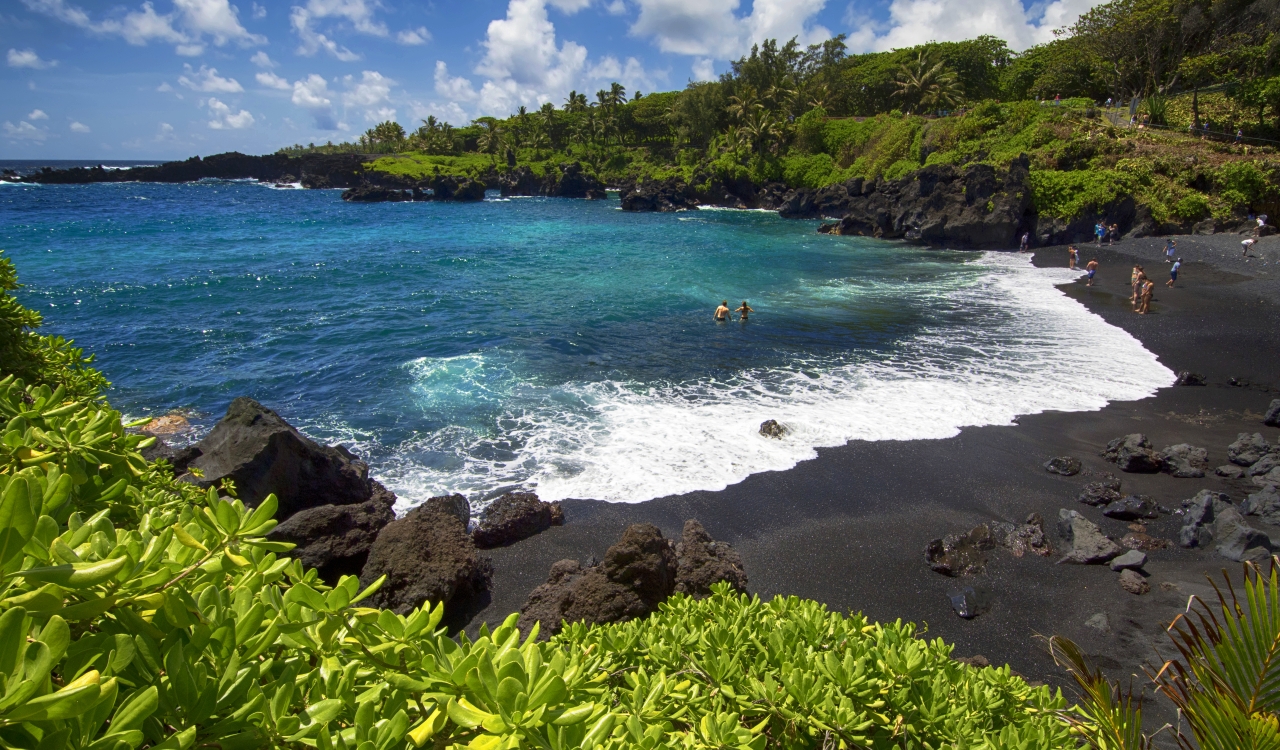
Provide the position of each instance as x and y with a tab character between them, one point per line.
1110	233
723	312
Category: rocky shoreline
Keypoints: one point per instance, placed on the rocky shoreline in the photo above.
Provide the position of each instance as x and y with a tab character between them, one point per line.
977	207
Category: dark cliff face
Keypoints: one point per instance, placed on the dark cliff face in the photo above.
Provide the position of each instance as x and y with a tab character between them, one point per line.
313	170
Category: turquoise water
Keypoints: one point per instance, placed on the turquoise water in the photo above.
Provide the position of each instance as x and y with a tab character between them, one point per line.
560	345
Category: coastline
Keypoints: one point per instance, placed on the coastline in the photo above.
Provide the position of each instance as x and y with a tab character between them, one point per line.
849	527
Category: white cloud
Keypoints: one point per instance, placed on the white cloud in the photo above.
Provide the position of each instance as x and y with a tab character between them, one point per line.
186	27
27	58
704	69
164	132
710	28
312	94
207	80
454	88
262	60
79	127
273	81
259	12
37	114
914	22
413	37
358	14
569	6
616	8
372	89
164	86
225	119
523	62
24	131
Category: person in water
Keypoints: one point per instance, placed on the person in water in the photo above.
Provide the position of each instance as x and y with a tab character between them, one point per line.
722	312
1092	268
744	310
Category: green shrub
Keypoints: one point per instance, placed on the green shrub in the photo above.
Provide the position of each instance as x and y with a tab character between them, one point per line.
1191	207
1077	193
1243	183
808	171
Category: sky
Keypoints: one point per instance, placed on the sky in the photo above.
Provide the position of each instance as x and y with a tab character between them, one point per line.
169	79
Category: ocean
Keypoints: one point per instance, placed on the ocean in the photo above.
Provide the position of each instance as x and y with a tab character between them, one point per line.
557	345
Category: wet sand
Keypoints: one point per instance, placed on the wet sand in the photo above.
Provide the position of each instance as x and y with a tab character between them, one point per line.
849	528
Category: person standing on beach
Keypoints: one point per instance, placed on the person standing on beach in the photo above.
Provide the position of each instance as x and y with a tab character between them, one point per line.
1148	289
1091	269
722	312
1026	242
744	310
1113	234
1138	283
1099	230
1169	246
1173	273
1246	244
1072	256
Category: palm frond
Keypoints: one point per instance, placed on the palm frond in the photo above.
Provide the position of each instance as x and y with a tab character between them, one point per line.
1108	717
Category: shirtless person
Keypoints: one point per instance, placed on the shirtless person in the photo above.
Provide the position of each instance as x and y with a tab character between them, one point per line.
1092	268
744	310
1072	256
722	312
1134	276
1139	284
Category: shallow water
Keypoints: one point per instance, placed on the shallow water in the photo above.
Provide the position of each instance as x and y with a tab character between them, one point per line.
560	345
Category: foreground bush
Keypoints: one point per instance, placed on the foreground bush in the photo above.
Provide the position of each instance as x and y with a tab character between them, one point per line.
136	612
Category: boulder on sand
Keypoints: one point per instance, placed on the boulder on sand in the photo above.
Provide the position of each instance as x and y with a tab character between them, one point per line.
701	561
1132	559
1189	378
1024	538
264	454
1272	417
1067	466
1197	518
428	556
1264	504
1089	546
1185	461
1133	454
336	539
1132	508
773	428
1248	449
960	554
1133	582
515	516
1237	540
1101	493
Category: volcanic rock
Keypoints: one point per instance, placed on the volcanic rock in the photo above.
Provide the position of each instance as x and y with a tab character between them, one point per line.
1132	508
167	424
701	561
1189	378
515	516
1100	493
1230	471
1088	544
1133	454
159	450
1067	466
336	539
1185	461
1198	518
773	428
264	454
1020	539
1133	582
1248	449
1264	504
970	601
1272	418
663	196
369	193
427	556
960	554
1236	539
1099	622
1131	559
1264	465
637	574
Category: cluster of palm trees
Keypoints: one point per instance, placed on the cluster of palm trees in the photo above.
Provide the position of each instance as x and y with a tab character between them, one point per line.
385	137
926	85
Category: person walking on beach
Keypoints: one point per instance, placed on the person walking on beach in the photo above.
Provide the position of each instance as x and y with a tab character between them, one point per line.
1173	273
744	310
1169	246
1026	242
1091	269
1072	256
1246	244
722	312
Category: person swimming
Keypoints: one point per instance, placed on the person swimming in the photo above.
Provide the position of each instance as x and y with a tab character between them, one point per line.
744	310
722	312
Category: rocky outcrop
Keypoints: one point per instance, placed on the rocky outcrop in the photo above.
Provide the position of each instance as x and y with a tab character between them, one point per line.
637	574
661	196
1089	546
975	207
701	562
428	556
1132	508
1102	492
1133	454
772	428
1265	504
1198	516
1066	466
1272	417
336	539
1236	540
368	193
1020	539
515	516
392	188
313	170
1186	377
264	454
1184	461
568	180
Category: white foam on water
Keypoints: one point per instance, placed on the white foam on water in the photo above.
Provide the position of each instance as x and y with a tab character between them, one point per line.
1031	349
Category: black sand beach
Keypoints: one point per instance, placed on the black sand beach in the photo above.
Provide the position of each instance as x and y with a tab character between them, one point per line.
849	528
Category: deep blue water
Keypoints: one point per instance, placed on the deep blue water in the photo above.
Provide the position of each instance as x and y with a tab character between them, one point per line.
556	344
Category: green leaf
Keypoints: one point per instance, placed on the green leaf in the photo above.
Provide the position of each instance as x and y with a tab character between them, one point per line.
325	711
17	517
135	709
76	575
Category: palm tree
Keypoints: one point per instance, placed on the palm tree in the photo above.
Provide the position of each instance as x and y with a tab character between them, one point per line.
576	102
761	131
924	83
617	94
490	140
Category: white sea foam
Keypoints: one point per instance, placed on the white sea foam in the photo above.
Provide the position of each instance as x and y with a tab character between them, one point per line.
1033	349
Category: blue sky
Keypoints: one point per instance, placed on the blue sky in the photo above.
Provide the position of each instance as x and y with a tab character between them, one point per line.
175	78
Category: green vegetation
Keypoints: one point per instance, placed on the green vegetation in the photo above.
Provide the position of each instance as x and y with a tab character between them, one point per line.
139	612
